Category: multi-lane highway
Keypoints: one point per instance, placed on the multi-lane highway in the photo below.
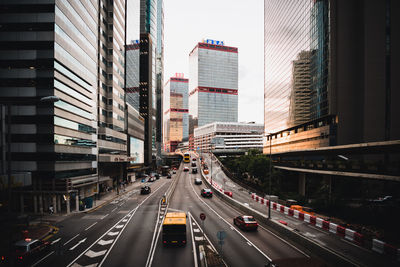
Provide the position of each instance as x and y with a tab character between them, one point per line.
126	231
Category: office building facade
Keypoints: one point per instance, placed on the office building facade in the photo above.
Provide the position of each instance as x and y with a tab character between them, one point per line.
213	84
50	50
345	53
176	113
228	136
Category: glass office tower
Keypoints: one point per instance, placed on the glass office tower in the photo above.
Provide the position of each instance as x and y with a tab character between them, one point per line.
213	84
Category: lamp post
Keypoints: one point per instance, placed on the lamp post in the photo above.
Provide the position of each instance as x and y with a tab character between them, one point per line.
270	177
46	99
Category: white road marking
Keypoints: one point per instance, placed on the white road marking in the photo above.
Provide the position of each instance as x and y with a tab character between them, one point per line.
196	230
198	238
248	243
105	242
92	254
71	239
193	244
124	220
114	209
104	216
42	259
113	233
119	226
90	226
55	241
80	242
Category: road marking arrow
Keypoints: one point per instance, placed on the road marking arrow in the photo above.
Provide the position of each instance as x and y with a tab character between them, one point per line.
80	242
105	242
113	233
92	254
119	226
55	241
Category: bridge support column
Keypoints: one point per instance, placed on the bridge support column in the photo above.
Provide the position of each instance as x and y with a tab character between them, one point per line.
302	183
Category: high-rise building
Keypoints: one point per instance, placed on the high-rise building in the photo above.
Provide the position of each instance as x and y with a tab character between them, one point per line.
346	54
152	23
176	113
50	49
213	84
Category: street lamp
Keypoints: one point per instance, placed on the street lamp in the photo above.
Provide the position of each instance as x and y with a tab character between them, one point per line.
8	105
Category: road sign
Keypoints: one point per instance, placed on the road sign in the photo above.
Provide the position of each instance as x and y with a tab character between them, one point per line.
221	235
202	216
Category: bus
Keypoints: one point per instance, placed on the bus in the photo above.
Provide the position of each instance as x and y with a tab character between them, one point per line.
174	229
186	157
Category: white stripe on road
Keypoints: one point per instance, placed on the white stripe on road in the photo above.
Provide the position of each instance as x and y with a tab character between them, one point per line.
71	239
193	244
42	259
93	254
90	226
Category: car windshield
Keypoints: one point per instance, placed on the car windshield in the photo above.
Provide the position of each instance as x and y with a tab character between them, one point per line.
249	219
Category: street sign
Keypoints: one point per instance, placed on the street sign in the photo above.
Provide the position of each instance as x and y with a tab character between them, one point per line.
202	216
221	235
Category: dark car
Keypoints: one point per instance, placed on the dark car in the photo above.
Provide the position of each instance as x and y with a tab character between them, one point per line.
168	176
194	170
174	171
152	179
246	222
205	192
193	164
194	159
145	190
157	176
186	169
28	249
197	181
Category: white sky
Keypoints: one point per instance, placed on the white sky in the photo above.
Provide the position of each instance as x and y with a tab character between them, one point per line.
238	23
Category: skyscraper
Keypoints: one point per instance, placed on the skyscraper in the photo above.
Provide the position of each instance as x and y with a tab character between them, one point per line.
50	50
213	84
349	49
152	23
176	119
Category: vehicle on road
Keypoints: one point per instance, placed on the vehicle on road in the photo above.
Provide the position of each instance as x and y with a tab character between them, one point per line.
185	169
174	229
246	222
194	170
197	181
186	158
152	179
194	159
194	164
165	170
169	176
145	190
306	210
228	193
174	172
28	249
205	171
206	192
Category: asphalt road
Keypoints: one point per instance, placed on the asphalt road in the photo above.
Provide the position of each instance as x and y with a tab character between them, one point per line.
357	255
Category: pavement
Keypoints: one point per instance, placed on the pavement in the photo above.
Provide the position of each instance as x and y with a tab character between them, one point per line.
15	227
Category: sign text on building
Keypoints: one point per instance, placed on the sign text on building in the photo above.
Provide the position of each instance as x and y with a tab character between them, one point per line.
210	41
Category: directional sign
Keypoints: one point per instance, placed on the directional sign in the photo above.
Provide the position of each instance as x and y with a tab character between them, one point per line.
202	216
221	235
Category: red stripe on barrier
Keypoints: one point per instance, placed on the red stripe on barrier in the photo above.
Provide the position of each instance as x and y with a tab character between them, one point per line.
340	230
291	212
325	225
252	196
301	216
262	201
267	201
358	238
257	198
282	208
313	219
390	250
274	206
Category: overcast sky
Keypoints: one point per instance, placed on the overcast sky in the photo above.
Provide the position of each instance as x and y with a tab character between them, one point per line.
236	22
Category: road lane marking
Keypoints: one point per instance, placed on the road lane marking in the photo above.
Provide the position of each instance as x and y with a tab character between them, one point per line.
42	259
119	226
77	244
248	243
55	241
193	244
104	216
71	239
114	209
93	254
90	226
113	233
105	242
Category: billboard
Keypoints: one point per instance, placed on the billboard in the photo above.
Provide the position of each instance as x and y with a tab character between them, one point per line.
136	147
